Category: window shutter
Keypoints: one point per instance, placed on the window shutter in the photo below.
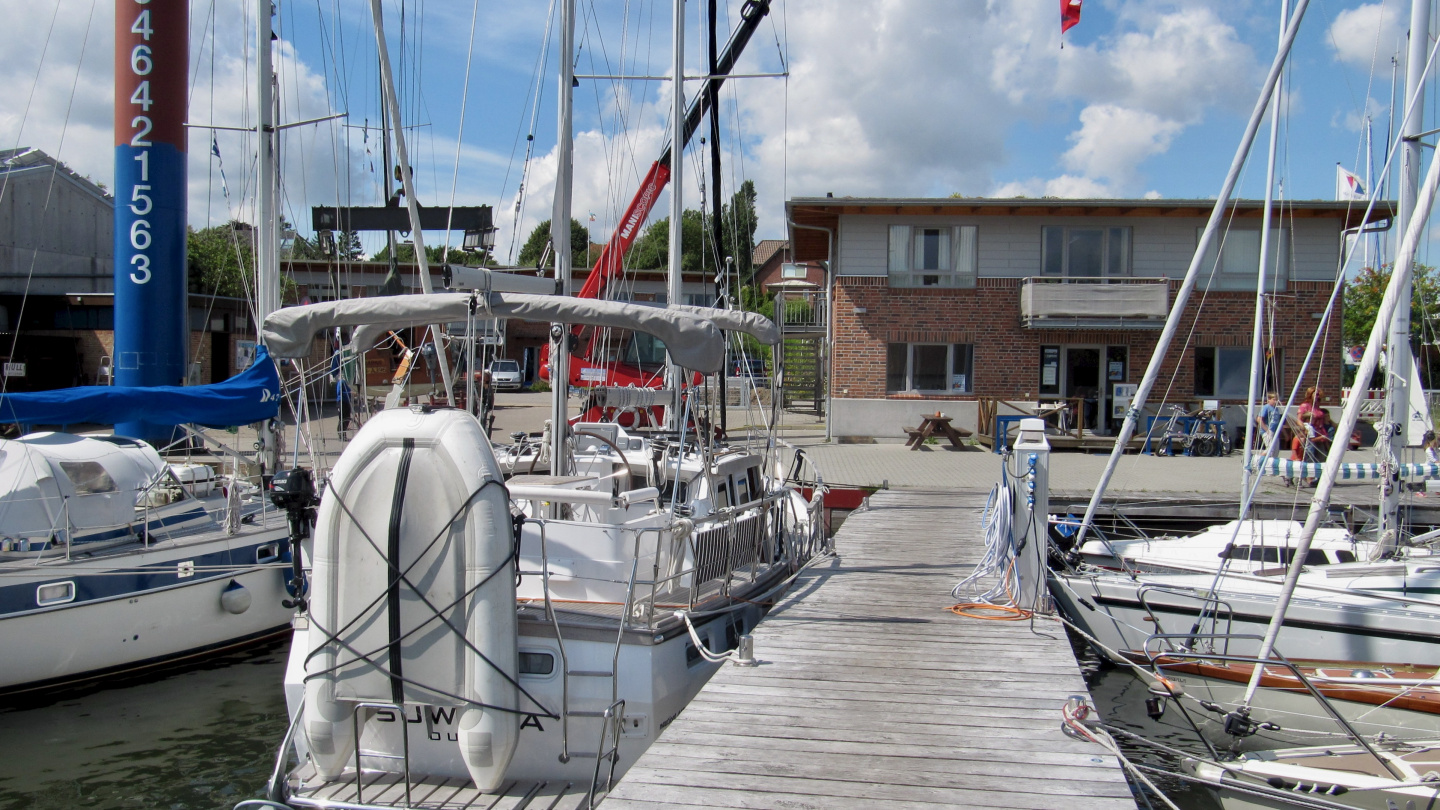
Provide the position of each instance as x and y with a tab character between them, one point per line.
899	248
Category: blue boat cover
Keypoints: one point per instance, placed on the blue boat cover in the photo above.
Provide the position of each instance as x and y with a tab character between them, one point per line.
253	395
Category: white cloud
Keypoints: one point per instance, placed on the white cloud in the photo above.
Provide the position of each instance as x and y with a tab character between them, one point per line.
1113	140
1368	34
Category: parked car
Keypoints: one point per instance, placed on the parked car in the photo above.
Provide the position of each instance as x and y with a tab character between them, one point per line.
506	375
747	367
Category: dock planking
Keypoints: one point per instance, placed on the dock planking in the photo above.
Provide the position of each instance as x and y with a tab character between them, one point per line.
871	694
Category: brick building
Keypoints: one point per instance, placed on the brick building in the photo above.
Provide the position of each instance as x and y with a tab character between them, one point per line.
939	303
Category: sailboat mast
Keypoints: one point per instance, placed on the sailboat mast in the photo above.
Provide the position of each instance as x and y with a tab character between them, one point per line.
1397	347
1192	274
677	197
1257	349
267	179
267	242
407	181
716	206
560	236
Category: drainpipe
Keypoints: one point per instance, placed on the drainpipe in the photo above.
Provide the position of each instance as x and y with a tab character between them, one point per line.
829	324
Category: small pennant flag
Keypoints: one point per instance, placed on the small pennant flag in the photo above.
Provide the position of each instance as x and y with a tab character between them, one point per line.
215	150
1348	186
1069	14
592	216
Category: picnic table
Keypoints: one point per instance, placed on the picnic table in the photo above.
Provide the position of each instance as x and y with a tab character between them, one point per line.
935	425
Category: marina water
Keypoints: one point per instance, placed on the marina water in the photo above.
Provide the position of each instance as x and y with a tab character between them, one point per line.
202	738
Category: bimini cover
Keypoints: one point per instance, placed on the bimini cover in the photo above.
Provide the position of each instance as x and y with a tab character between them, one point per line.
751	323
99	479
253	395
693	341
413	596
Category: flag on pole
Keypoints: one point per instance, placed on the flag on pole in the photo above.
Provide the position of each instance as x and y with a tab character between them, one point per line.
1069	14
1348	186
215	150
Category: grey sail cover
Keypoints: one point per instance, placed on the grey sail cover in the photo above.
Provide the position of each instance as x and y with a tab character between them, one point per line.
751	323
694	342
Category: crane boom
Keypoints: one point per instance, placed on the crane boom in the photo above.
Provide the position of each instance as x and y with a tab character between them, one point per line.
611	262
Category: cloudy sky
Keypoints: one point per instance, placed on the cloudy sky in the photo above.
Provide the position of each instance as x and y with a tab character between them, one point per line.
883	98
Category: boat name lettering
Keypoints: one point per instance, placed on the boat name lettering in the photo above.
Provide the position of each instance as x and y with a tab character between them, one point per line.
443	715
532	721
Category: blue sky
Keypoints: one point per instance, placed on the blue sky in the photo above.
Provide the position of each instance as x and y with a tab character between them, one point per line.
884	98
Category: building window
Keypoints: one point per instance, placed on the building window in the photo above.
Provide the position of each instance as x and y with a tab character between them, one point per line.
792	270
932	257
1050	370
930	368
700	299
1225	373
1085	252
1233	260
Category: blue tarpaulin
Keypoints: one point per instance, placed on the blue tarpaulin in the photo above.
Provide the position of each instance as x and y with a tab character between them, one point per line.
253	395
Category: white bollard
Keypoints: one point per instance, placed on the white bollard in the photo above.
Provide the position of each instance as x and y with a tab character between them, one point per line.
1029	526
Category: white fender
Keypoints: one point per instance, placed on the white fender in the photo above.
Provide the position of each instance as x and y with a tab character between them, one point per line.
488	737
443	461
328	726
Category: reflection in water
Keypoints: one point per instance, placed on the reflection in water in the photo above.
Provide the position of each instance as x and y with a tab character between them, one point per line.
1120	698
199	739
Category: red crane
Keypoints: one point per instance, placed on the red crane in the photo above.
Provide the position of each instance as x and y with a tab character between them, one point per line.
611	263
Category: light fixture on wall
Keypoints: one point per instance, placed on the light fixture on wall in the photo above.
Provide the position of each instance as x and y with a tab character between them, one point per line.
860	310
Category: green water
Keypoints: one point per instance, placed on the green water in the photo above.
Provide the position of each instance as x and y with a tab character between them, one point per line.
204	738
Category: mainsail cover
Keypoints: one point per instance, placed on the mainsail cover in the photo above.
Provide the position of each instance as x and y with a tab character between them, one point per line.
693	341
253	395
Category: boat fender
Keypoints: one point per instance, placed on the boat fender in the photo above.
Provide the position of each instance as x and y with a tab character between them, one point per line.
235	598
488	737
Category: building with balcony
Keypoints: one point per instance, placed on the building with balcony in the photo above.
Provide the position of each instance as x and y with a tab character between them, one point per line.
939	304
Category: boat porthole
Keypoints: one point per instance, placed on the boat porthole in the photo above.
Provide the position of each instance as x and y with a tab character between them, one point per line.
135	638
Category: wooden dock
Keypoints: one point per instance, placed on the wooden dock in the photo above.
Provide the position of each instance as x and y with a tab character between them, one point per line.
871	694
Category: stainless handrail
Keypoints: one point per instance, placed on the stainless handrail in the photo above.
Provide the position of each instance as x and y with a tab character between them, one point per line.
404	741
273	788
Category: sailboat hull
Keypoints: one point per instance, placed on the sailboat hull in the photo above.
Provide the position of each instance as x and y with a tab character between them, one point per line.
138	609
1121	613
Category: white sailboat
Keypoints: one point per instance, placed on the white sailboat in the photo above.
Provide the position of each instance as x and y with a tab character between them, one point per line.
531	634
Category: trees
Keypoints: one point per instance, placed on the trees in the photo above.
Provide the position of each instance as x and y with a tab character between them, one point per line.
1362	302
405	254
221	259
535	246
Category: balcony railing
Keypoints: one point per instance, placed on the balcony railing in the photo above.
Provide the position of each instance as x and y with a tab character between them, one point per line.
1132	303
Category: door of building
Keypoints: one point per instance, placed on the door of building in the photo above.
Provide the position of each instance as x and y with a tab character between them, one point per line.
1082	379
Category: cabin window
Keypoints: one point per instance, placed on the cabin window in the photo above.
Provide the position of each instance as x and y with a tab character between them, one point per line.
722	495
56	593
1085	252
1274	554
742	489
88	477
932	368
536	663
933	256
1344	556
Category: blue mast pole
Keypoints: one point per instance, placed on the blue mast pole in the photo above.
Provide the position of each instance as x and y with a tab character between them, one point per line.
151	334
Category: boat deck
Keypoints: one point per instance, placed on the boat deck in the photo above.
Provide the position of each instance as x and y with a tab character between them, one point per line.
388	790
869	693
